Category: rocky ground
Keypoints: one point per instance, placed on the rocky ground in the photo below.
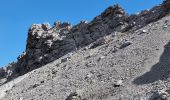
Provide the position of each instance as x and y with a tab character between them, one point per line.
114	57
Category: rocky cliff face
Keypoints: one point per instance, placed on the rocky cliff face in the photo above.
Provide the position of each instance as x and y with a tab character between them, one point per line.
46	44
90	61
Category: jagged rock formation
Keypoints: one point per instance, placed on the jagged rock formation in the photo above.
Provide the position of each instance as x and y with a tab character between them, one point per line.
112	31
46	44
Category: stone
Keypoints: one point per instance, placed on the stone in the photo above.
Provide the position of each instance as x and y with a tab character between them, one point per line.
125	44
21	98
64	60
97	43
161	95
89	75
118	83
102	57
144	31
73	96
49	43
165	26
39	59
35	26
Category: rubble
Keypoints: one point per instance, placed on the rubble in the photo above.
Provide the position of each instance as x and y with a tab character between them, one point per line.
161	95
46	44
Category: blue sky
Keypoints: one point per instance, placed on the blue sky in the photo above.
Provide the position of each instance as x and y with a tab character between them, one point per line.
17	15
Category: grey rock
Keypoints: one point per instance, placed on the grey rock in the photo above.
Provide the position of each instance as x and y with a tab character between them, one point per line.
125	44
88	56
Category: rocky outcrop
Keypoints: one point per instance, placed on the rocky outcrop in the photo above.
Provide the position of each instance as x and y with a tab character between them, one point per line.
46	44
105	59
2	73
165	6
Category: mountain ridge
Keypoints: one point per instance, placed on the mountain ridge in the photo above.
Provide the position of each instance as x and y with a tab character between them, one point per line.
45	44
120	24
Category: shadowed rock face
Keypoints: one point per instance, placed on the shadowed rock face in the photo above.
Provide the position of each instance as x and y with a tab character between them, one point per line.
166	6
2	73
46	44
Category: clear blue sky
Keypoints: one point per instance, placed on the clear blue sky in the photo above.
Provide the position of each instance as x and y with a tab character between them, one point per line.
17	15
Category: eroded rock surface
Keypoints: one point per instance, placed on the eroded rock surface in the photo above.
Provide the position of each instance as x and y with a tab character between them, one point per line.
46	44
97	60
